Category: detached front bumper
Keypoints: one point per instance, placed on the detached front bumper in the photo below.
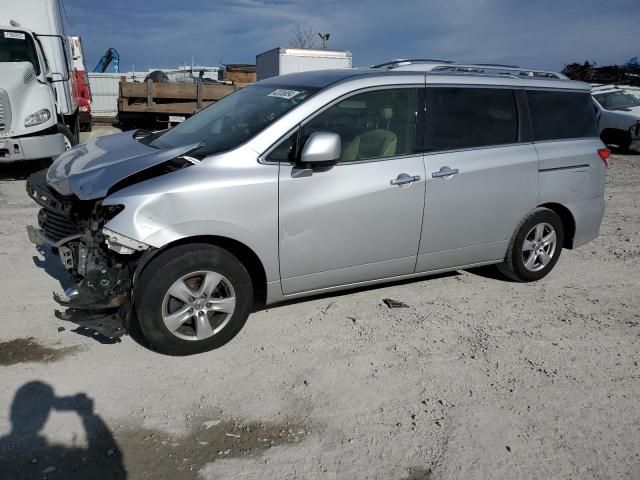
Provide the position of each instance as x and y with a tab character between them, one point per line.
92	302
30	148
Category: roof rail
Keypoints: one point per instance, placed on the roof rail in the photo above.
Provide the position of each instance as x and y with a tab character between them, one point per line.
410	61
498	70
503	65
433	65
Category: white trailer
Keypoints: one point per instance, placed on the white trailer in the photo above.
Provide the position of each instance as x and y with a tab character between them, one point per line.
280	61
38	96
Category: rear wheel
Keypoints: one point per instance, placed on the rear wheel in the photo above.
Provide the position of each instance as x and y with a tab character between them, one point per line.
535	246
193	298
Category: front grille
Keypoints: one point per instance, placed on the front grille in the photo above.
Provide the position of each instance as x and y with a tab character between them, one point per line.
1	115
5	111
56	226
56	219
38	189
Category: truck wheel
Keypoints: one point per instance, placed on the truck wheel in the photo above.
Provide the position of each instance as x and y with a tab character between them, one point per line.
535	246
69	138
76	128
192	298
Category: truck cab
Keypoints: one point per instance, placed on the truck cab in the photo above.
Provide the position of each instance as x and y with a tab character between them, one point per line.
28	112
39	102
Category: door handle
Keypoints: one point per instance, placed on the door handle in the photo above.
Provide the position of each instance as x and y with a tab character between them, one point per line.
405	179
445	172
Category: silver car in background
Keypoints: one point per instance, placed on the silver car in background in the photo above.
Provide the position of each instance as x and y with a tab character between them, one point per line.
315	182
618	112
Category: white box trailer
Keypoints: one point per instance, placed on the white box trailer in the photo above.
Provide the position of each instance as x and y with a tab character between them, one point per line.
280	61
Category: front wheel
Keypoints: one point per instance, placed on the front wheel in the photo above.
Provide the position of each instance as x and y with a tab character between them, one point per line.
535	246
70	139
192	298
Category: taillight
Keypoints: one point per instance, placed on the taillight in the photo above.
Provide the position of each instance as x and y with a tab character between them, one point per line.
604	154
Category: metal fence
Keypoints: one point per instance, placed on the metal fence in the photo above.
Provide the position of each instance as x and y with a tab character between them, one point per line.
105	86
105	91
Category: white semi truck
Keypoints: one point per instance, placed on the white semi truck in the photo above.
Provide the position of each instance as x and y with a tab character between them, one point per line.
39	115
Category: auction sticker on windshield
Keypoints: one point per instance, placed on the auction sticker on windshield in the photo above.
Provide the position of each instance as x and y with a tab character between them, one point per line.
14	35
283	93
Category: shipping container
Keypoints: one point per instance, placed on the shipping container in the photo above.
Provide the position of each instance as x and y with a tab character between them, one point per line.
280	61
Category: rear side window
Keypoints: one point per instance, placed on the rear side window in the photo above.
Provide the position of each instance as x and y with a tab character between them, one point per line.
561	115
464	117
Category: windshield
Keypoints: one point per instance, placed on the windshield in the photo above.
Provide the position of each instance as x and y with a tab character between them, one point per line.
617	100
18	47
234	119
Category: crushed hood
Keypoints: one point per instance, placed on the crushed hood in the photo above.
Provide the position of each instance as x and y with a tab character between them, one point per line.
89	170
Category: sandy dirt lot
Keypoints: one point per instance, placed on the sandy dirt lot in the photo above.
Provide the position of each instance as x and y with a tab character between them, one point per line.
478	378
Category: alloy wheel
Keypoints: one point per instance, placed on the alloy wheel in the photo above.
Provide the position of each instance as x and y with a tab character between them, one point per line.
539	247
198	305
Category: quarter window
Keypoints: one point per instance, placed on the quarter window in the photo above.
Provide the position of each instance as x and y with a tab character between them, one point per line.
459	117
561	115
372	125
286	151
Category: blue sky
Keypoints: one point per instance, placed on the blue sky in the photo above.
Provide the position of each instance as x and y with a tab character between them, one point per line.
535	33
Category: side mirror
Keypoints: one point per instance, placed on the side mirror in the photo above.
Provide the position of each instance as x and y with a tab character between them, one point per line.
321	149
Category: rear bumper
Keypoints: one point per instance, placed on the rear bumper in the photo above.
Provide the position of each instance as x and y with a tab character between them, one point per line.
588	215
31	148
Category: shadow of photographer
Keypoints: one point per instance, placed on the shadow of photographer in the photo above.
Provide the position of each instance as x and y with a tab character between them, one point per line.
27	454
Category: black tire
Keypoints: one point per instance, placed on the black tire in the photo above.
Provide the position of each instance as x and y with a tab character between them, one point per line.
514	266
66	131
618	140
76	128
169	267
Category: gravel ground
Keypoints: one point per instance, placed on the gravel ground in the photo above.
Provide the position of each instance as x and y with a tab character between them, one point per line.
477	378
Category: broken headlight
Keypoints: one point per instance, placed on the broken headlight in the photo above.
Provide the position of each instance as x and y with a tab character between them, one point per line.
122	244
107	212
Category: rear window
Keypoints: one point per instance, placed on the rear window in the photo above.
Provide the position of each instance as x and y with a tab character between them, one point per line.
561	115
470	117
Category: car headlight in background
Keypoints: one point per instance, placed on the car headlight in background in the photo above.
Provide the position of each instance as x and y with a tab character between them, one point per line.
37	118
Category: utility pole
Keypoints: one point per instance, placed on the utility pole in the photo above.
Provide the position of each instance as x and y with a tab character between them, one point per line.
325	39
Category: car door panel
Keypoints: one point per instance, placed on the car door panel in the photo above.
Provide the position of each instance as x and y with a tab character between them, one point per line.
482	175
349	224
470	216
360	219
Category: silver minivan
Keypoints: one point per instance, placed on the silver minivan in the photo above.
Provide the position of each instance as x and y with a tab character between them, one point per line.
315	182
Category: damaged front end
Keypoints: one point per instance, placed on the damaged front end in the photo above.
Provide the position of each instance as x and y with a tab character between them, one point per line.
100	262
